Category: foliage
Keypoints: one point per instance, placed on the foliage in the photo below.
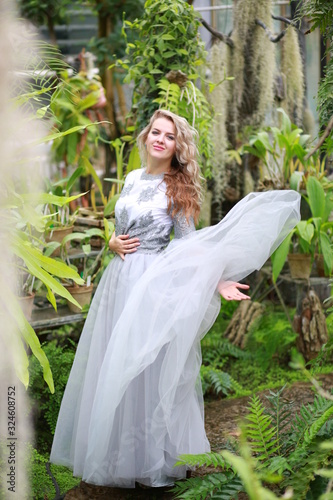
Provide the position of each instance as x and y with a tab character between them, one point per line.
74	96
41	482
319	15
276	445
270	337
46	406
46	12
313	235
163	64
277	148
292	69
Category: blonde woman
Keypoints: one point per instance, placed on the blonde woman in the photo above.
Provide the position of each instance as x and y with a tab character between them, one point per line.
133	401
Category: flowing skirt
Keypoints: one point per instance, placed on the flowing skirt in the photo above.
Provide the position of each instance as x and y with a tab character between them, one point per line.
133	401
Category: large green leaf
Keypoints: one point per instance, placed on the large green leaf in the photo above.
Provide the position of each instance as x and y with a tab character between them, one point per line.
305	230
28	335
316	196
279	257
43	275
326	248
46	198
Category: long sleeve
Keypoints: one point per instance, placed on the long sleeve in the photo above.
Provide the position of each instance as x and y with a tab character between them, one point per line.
182	226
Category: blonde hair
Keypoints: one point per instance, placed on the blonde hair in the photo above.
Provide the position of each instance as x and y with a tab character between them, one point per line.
183	181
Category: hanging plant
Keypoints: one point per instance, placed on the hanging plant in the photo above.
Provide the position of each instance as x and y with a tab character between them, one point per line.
292	69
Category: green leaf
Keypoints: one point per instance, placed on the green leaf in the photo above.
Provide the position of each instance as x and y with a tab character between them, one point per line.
316	196
279	257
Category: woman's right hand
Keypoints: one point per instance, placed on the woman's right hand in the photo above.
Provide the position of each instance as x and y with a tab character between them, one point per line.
122	244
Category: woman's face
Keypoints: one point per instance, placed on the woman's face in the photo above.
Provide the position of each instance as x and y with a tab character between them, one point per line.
161	140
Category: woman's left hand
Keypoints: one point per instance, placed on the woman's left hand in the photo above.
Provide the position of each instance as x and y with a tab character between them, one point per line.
229	290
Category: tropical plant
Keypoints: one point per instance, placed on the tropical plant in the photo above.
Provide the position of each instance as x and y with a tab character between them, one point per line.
319	15
73	97
276	445
22	217
277	148
163	64
313	235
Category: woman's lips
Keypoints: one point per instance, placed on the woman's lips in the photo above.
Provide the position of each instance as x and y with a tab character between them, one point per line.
159	148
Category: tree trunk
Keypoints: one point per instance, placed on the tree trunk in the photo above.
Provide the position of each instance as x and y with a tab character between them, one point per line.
310	324
241	322
50	26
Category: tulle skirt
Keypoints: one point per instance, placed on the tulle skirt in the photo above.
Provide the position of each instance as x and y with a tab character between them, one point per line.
133	401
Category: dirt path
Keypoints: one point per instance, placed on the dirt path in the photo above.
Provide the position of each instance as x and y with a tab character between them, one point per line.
221	417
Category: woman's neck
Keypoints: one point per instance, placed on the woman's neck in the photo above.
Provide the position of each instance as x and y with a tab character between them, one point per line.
157	167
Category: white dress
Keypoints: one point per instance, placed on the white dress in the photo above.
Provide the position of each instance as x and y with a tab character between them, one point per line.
133	401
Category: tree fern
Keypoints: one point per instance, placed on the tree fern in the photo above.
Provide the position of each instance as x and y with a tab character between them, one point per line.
261	431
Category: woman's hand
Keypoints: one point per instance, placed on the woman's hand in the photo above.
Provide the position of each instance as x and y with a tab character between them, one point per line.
122	244
229	290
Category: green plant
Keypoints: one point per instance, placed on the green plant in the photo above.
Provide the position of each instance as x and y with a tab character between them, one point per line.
44	405
277	148
276	446
163	64
73	97
313	235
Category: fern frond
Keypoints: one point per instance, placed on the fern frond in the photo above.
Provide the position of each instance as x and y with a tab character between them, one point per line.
281	412
226	486
304	471
203	459
218	380
311	419
261	431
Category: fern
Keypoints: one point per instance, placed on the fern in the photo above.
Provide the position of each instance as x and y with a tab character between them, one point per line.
304	472
223	486
281	413
311	419
204	459
261	431
218	381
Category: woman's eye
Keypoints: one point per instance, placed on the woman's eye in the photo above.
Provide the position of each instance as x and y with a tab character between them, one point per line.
171	137
154	132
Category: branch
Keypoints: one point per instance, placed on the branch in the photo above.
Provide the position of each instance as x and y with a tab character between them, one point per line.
284	20
226	39
268	32
326	133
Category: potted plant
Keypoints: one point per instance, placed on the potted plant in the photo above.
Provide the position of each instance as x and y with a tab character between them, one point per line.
312	236
91	265
60	221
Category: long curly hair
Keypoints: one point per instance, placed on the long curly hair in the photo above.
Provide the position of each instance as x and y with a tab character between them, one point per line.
183	182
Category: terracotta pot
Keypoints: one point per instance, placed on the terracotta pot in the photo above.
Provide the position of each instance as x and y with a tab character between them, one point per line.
300	265
82	294
26	303
58	234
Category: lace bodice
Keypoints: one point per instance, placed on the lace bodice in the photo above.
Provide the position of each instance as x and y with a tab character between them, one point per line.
141	212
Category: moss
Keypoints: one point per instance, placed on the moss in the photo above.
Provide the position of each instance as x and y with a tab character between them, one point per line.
292	69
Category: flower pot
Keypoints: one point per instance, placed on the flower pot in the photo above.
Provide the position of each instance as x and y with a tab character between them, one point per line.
58	234
82	294
300	265
26	303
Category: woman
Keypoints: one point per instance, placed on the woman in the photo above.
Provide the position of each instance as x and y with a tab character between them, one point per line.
133	401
